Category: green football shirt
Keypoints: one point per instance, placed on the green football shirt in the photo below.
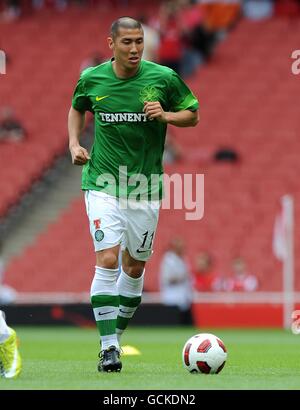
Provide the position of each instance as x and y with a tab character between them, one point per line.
126	157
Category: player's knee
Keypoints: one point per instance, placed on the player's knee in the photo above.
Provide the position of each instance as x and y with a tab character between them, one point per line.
134	271
107	259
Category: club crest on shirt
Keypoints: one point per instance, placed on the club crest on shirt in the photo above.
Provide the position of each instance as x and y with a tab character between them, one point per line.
99	235
149	93
97	223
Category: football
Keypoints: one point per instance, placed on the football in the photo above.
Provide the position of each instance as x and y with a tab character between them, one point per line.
204	353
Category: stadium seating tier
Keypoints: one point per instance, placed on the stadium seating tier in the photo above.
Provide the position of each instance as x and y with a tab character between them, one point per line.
248	102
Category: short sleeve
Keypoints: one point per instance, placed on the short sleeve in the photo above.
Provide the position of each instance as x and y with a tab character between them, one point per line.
80	100
180	96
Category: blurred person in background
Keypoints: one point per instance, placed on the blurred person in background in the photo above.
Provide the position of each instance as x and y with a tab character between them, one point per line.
241	280
170	50
221	15
199	37
11	128
175	280
11	10
59	5
92	61
206	279
172	151
258	9
151	40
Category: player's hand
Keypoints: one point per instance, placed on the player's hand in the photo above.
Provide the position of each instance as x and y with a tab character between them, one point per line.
153	110
80	155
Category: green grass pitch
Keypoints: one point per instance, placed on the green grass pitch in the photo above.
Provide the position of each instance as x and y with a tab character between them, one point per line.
66	358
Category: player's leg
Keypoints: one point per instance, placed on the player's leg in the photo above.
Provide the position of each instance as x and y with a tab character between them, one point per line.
10	359
130	286
141	227
106	228
105	302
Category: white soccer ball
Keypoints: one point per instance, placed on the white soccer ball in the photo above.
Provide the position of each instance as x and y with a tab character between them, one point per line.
204	353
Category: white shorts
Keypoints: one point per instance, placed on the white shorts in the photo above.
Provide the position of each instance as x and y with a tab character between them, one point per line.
116	222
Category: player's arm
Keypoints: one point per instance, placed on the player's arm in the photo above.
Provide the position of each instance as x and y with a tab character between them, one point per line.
76	120
183	118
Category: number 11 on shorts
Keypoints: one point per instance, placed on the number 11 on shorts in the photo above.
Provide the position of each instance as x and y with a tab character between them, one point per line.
143	247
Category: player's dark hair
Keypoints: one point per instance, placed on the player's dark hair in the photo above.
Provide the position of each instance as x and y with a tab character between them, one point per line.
124	22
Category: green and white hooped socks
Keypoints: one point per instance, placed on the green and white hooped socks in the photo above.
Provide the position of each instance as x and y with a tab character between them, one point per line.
105	302
130	291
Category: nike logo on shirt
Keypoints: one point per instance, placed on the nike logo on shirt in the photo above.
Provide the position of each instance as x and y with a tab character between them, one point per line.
101	98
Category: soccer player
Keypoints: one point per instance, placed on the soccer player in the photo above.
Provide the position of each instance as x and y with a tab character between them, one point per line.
10	359
132	100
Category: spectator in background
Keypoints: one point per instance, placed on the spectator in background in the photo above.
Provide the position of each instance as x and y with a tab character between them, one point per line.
92	61
206	279
12	10
171	45
197	33
151	40
221	15
258	9
241	279
175	280
172	152
193	33
59	5
11	128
